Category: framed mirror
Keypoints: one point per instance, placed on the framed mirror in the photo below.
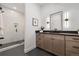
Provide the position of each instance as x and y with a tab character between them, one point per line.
56	21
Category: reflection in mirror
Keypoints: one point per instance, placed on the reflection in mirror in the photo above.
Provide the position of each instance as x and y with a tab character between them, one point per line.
56	21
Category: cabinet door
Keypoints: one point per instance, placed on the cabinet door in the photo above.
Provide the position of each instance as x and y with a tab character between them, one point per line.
39	40
58	44
52	45
48	42
72	46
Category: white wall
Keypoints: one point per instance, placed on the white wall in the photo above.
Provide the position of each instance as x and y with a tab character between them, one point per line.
72	9
9	18
32	10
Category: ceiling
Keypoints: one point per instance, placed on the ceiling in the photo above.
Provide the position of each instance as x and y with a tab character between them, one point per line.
21	6
16	6
62	4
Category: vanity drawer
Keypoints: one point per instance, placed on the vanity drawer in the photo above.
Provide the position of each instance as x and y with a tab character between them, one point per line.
72	38
72	46
71	53
57	37
48	36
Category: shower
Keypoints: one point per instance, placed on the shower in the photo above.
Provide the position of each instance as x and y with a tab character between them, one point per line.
11	26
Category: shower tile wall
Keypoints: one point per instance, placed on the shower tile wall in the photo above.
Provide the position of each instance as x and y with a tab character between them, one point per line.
10	17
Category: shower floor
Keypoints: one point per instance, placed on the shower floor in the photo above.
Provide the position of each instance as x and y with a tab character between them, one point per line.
10	44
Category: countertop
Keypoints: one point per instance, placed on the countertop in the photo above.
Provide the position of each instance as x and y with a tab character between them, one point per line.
66	33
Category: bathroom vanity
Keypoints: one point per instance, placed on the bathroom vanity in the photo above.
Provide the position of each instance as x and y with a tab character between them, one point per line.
59	42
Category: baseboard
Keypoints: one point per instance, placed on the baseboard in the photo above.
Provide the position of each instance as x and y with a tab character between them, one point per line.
10	47
29	49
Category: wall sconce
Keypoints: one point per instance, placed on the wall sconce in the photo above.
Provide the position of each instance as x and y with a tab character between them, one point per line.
66	16
66	23
66	19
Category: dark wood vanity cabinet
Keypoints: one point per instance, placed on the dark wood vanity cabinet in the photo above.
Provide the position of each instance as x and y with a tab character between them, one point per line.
51	43
59	43
72	45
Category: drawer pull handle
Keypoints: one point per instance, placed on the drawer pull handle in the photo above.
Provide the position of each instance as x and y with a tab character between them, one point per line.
76	47
76	38
52	38
39	38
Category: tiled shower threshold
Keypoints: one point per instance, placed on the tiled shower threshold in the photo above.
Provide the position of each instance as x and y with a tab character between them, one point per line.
10	44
